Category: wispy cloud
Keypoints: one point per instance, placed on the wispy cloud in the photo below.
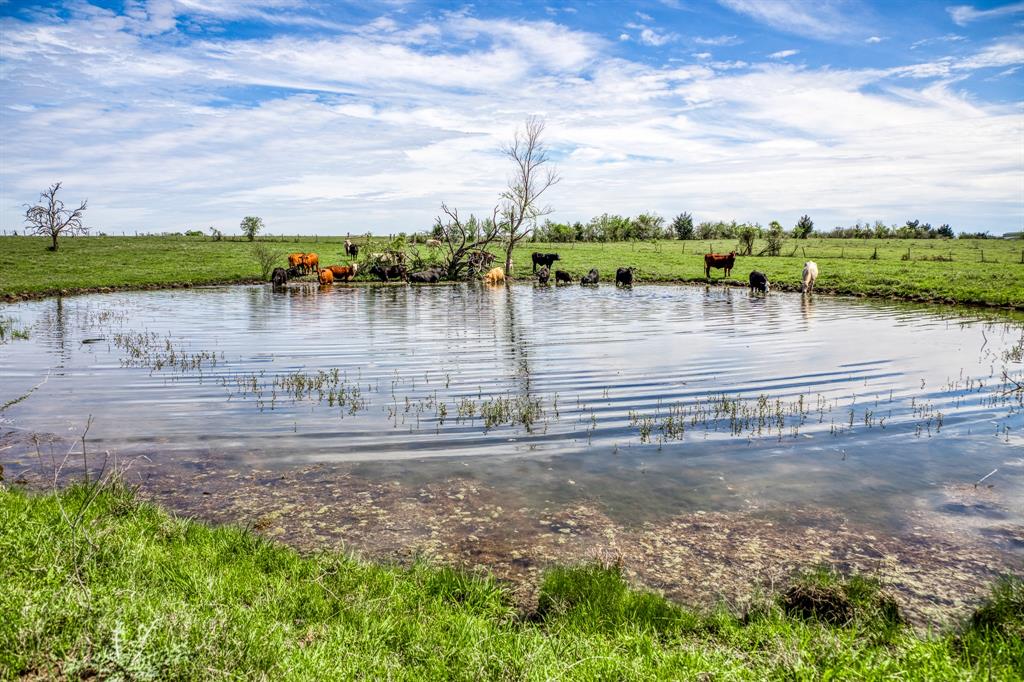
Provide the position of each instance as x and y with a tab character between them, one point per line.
873	39
948	38
719	41
811	18
965	14
782	54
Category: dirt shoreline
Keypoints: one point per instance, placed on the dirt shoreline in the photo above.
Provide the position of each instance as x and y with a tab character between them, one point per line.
16	297
938	568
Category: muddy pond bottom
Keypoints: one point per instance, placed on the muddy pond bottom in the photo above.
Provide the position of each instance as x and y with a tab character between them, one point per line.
709	439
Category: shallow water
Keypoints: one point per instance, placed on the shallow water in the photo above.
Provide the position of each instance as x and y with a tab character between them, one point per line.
647	402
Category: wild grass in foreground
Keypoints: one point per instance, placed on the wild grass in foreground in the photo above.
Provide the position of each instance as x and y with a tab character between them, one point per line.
95	583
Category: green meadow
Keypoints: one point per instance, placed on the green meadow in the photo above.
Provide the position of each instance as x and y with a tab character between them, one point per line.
981	272
96	584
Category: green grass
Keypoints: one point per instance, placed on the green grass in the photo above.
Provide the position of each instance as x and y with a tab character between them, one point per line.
95	583
981	272
845	266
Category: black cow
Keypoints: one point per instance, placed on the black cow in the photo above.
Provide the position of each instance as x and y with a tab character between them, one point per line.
351	249
759	281
428	276
387	272
543	274
547	259
279	277
562	276
590	278
624	276
297	271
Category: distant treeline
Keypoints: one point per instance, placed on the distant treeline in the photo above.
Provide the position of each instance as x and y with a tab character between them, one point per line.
647	226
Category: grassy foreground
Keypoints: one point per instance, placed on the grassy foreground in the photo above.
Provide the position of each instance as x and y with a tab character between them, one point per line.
94	583
981	272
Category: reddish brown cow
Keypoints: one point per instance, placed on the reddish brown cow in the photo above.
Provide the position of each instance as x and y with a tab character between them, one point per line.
295	260
724	261
326	277
311	262
343	273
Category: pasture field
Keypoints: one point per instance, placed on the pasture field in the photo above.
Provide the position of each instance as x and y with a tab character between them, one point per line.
980	272
98	584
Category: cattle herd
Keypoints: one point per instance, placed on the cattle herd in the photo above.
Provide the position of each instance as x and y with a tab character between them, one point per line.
300	264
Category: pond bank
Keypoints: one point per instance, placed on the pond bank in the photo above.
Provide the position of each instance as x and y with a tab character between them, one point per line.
977	272
16	297
133	591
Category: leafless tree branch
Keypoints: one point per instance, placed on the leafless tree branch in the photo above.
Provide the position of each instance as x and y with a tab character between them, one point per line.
49	218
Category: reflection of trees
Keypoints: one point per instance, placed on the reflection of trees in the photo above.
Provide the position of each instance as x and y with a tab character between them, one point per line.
518	346
57	322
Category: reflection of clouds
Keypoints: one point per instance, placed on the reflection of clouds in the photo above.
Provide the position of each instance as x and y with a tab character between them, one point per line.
604	351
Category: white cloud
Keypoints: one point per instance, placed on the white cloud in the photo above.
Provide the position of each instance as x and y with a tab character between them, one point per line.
782	54
370	129
623	37
874	39
1000	54
965	14
649	36
813	18
719	41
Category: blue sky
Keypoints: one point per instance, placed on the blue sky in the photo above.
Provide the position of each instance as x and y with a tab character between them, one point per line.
337	117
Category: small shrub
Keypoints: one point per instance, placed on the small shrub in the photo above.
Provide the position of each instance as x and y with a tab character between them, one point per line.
267	258
747	236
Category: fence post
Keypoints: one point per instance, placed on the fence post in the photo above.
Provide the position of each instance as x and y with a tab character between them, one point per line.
803	251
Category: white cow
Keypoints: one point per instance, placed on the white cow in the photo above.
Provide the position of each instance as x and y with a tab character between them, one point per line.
810	276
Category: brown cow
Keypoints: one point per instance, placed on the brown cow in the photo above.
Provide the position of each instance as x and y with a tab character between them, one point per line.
295	260
326	277
343	272
495	276
311	262
724	261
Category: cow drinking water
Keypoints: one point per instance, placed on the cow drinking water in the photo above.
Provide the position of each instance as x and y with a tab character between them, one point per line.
624	277
759	282
810	276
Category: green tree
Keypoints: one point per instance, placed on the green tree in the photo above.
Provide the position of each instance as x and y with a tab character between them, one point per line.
804	227
747	235
251	226
776	235
682	226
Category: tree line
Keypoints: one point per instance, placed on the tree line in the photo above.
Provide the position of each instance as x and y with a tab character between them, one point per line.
650	226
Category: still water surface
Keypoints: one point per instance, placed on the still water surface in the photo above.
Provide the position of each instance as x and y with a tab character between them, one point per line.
650	400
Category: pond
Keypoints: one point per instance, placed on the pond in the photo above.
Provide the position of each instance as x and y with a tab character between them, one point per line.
518	425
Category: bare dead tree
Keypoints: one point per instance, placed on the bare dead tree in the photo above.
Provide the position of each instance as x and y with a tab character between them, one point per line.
520	205
459	243
50	219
